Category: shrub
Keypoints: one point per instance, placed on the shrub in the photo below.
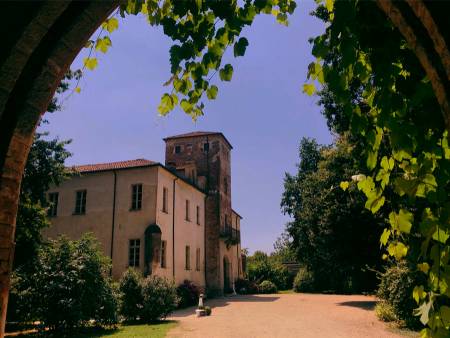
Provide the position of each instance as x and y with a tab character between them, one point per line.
396	288
245	287
188	294
304	281
68	286
385	312
131	294
262	267
207	310
159	298
267	287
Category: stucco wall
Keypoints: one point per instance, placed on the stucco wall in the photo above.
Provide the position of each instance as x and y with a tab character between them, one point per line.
130	224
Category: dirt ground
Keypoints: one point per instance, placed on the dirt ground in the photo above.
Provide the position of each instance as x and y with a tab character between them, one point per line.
285	315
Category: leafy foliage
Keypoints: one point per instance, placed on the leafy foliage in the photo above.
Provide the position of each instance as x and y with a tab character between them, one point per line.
396	287
188	294
266	287
130	288
245	287
159	298
67	288
333	236
304	281
262	267
399	121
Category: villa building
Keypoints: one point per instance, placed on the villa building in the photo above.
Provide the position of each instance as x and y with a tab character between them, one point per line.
174	219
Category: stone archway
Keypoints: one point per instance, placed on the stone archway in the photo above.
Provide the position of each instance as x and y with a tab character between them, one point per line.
41	39
152	248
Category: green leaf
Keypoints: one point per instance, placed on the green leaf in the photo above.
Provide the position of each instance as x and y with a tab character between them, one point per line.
226	73
419	293
372	159
398	250
329	4
240	47
444	312
440	235
385	236
90	63
167	104
77	90
103	44
375	203
211	92
309	88
402	221
111	24
344	185
424	267
186	106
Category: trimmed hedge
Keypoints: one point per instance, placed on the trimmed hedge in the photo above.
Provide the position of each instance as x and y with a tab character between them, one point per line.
188	294
267	287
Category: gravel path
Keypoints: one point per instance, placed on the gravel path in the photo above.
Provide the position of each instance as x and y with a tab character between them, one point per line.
284	315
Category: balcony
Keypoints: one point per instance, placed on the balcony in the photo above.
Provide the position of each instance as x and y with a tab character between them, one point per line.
230	235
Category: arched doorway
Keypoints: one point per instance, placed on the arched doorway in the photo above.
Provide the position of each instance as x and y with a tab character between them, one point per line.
152	249
226	275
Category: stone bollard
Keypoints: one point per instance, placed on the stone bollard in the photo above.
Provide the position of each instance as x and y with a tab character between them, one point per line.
200	309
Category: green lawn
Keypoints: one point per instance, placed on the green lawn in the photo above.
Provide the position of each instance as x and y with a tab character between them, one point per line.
140	331
157	330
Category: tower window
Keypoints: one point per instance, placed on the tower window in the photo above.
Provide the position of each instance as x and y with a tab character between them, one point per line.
198	215
177	149
206	147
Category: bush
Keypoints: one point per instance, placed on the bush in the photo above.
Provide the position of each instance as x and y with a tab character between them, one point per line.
304	281
131	294
188	294
262	267
208	310
159	298
385	312
396	288
245	287
68	286
267	287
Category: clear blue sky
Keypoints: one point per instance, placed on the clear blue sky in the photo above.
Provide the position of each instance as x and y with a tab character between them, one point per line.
262	111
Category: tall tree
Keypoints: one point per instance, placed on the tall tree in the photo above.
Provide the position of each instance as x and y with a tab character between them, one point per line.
332	234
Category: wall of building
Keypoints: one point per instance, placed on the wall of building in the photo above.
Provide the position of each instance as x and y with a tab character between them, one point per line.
131	224
187	233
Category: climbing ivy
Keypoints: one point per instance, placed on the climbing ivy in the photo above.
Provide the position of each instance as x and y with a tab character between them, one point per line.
406	143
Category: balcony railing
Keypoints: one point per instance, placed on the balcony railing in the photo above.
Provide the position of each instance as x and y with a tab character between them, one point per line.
230	235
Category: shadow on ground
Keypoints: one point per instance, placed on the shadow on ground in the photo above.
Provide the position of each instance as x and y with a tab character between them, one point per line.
225	301
365	305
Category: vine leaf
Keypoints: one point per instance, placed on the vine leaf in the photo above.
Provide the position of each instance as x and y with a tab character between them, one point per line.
111	24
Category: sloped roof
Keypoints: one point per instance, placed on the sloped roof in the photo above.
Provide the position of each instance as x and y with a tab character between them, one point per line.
140	162
198	134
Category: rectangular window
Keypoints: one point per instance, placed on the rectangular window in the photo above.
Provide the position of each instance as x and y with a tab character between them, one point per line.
80	202
198	215
136	197
53	204
206	147
188	258
163	254
177	149
197	259
188	216
165	200
133	254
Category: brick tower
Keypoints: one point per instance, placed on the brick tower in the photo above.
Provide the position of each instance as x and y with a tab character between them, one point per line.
204	158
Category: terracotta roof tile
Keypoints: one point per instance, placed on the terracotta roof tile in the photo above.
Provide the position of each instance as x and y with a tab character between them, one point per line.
140	162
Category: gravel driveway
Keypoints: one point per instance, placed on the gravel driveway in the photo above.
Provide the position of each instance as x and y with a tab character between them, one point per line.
284	315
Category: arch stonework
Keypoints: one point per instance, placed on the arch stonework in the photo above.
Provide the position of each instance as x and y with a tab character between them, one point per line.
41	39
